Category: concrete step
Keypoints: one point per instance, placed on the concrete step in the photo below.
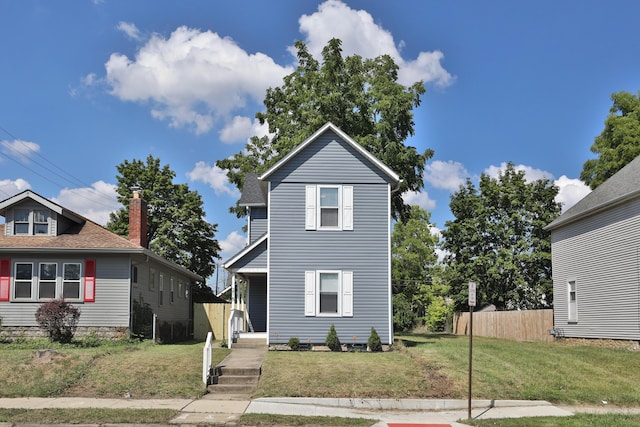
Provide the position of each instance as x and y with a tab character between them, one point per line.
226	370
232	389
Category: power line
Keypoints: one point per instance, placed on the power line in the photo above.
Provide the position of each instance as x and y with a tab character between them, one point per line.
74	180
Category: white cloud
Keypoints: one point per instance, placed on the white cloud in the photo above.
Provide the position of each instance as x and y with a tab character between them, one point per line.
130	30
19	149
571	191
232	244
361	35
215	177
94	203
419	199
242	128
530	174
448	175
9	188
192	78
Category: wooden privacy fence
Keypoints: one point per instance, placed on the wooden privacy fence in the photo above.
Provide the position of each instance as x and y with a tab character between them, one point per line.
527	325
211	317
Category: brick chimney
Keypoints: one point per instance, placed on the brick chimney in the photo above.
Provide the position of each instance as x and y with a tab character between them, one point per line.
137	219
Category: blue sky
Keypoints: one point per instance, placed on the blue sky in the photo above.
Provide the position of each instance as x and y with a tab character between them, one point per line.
86	84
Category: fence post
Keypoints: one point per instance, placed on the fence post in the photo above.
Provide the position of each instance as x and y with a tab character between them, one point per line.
206	359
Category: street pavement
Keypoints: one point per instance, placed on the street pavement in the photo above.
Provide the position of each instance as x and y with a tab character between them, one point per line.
211	410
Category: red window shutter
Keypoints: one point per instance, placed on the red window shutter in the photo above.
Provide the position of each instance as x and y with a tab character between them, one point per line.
89	280
5	279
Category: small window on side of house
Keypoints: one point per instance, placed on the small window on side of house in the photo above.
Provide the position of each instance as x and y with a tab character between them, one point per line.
573	301
161	290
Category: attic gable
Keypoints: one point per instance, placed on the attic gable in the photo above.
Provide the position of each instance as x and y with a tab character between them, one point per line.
29	195
380	167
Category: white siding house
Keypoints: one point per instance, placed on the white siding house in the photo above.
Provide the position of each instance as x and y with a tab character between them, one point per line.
595	248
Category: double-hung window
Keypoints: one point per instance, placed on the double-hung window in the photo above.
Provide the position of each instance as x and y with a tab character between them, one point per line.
71	280
329	207
47	279
328	293
23	280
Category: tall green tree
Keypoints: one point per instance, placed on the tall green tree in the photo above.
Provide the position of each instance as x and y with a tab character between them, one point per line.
619	142
413	269
177	229
497	240
360	96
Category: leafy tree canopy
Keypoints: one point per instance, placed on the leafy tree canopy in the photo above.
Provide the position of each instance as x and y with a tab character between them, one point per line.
360	96
619	142
177	229
415	273
497	240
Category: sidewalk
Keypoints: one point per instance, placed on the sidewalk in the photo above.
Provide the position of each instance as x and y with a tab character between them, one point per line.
211	411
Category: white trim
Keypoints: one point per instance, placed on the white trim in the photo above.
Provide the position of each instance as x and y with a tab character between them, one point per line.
338	312
347	294
389	295
347	207
250	270
244	251
268	284
319	207
570	319
330	126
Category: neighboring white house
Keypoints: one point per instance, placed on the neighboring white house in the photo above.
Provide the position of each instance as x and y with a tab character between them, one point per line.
49	252
318	249
595	248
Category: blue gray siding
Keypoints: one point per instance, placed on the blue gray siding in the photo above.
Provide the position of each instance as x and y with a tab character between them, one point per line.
294	250
257	223
257	302
601	253
256	258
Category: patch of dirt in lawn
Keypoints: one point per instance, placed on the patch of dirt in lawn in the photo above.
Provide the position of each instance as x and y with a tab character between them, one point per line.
436	383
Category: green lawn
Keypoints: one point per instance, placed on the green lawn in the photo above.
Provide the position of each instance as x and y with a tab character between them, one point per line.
420	366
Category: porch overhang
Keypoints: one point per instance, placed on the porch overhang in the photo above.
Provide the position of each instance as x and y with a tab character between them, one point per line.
251	250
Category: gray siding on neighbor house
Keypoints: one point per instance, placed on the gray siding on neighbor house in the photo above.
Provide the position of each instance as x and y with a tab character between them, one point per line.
257	223
364	251
601	253
111	307
329	160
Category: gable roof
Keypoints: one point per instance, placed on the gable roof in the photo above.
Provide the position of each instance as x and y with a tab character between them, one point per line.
245	251
330	126
28	194
83	236
254	191
620	187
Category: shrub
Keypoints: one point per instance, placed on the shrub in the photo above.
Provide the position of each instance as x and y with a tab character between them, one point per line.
332	340
374	341
90	340
294	343
59	319
224	343
437	314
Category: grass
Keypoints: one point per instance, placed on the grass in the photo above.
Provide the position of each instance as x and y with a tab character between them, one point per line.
436	366
152	371
421	366
93	415
578	420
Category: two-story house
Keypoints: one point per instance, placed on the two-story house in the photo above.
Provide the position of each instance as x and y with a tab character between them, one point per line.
318	253
49	252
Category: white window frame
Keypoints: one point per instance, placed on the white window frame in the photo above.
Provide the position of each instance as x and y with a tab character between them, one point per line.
572	305
161	290
313	207
31	222
78	280
172	297
41	281
15	279
312	293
